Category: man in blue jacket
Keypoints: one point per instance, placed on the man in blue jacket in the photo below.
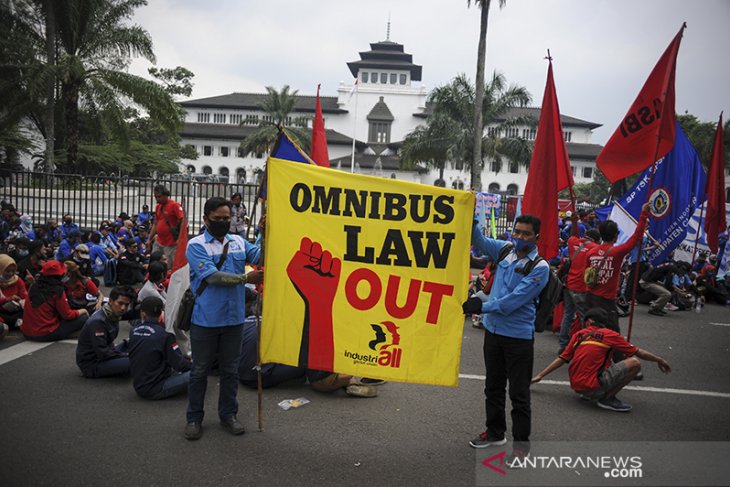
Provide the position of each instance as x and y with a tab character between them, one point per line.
508	317
158	368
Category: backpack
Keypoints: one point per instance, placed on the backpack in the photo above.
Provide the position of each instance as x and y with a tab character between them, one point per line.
565	268
110	273
549	297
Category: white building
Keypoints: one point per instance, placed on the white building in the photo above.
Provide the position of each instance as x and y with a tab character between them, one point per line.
389	103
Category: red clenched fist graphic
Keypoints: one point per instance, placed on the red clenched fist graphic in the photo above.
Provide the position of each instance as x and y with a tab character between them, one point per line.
316	276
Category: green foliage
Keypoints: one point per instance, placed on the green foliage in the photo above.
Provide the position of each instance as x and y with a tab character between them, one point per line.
277	106
594	192
448	134
702	136
136	158
176	81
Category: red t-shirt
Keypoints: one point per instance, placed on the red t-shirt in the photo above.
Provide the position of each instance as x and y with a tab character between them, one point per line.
79	289
610	267
16	289
574	281
174	214
47	317
589	352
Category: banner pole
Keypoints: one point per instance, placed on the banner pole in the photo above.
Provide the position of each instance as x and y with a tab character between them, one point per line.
259	305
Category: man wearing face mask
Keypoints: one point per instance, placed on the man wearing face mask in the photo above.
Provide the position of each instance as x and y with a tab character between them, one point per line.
96	354
166	229
68	226
508	317
217	264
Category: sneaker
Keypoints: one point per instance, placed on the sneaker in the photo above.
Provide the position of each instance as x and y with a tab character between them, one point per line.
484	441
3	331
356	390
516	459
670	307
18	323
193	431
614	404
657	312
233	426
639	376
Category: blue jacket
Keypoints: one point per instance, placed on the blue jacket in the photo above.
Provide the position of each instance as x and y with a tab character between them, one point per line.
66	229
510	309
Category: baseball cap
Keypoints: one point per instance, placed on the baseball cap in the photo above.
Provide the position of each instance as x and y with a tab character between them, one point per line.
83	251
53	268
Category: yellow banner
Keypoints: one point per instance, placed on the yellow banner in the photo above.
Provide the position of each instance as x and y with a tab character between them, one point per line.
364	275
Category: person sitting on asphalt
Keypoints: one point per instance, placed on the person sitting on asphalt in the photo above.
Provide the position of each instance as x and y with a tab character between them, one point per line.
589	353
159	370
13	293
708	285
25	229
81	291
68	244
97	256
153	286
68	226
82	258
96	354
132	266
30	267
108	242
49	316
654	281
684	292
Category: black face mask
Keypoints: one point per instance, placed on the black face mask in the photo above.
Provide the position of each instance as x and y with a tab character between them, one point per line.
218	229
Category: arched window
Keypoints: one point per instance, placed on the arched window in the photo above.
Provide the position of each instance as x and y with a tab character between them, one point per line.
241	175
190	168
259	174
392	176
207	170
494	188
512	189
223	171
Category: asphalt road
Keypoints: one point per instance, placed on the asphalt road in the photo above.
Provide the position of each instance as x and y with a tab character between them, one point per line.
58	428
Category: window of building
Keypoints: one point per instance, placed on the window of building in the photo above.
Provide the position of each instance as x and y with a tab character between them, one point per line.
403	79
572	168
267	119
393	78
224	151
235	118
512	189
219	118
223	171
207	170
251	120
493	131
568	136
512	132
514	168
203	117
259	155
241	175
588	172
365	76
532	134
239	152
493	188
190	168
379	132
392	176
495	166
207	150
373	77
383	78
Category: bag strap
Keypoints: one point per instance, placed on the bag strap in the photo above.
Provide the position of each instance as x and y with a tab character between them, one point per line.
577	251
218	266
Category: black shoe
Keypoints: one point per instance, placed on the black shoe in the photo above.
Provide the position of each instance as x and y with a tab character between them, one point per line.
193	431
657	312
233	426
639	376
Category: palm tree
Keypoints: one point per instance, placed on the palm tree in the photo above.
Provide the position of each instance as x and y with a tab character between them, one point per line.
96	46
449	132
479	122
277	106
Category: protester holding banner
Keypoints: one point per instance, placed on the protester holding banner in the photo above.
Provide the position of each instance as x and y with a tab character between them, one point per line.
509	319
217	262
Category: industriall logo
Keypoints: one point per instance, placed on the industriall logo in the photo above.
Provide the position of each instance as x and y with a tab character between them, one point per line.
386	344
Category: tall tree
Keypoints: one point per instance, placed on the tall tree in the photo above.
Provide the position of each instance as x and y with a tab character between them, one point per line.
476	182
278	105
702	134
97	45
449	131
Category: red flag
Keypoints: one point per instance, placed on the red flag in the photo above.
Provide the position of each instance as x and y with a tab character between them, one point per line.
549	171
319	152
647	131
715	222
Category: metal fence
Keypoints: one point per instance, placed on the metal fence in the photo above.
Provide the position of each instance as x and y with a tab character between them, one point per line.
92	199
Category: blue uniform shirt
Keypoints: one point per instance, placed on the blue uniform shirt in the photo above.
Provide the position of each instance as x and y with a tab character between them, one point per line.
510	309
219	305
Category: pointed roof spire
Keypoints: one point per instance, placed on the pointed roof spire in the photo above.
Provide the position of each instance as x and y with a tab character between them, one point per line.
387	31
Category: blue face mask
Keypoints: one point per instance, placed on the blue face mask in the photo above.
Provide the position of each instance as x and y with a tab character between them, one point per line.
523	246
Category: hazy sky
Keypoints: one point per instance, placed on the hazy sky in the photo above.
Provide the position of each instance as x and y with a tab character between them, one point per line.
603	50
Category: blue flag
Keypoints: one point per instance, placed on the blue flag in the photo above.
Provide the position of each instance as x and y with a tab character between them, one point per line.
285	148
678	189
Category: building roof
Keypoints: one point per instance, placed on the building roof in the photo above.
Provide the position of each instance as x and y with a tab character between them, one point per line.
239	132
583	151
253	101
381	112
386	55
367	161
530	112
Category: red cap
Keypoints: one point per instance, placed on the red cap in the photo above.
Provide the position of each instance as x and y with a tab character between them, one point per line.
53	268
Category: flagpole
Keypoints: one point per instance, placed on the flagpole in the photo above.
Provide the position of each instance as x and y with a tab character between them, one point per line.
354	129
259	305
